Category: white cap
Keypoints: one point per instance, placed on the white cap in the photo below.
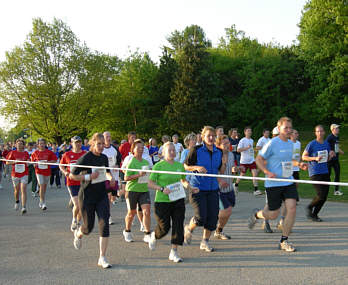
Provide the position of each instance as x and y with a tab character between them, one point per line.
334	126
275	131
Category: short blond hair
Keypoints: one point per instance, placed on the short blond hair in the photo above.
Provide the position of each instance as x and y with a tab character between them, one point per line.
282	120
207	129
96	137
189	137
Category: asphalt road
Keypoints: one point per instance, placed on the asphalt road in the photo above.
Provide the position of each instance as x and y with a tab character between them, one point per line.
37	249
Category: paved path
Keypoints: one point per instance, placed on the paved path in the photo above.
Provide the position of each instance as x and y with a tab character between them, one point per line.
37	249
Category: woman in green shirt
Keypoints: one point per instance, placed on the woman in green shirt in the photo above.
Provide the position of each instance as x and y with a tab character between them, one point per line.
170	199
137	191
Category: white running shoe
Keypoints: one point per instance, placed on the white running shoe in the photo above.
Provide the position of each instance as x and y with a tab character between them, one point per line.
173	256
235	188
152	241
127	236
257	193
103	263
23	211
205	246
338	193
111	221
77	240
40	205
142	229
74	225
43	206
16	206
147	238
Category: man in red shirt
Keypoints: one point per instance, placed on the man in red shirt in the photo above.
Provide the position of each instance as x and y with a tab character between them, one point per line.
43	171
7	168
19	173
71	157
125	148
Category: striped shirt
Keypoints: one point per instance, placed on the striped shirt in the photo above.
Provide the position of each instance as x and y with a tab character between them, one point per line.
230	163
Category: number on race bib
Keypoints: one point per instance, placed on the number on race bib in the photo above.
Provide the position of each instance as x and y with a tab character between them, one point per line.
324	156
177	191
286	169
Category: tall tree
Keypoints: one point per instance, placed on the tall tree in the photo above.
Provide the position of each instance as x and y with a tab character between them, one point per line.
39	80
324	46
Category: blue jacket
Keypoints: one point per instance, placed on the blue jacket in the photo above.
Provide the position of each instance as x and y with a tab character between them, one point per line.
202	156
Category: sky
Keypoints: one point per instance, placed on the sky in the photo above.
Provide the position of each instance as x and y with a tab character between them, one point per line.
120	27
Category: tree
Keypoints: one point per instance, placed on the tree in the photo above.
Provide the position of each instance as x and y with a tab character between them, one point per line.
39	81
324	46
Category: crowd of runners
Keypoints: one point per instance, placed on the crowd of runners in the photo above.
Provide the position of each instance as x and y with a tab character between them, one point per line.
94	187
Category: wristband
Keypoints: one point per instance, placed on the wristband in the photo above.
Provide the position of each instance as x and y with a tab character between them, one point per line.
162	188
88	177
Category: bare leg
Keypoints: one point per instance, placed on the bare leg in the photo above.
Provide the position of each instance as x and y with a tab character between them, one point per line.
146	217
103	244
24	194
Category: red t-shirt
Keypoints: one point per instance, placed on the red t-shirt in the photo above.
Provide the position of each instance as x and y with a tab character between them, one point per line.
45	156
71	157
5	152
125	149
19	169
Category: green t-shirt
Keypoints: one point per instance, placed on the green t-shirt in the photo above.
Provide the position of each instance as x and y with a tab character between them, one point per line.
163	179
133	185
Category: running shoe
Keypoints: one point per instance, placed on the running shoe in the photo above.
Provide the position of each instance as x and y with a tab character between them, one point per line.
127	236
252	219
142	229
235	189
152	241
111	221
40	205
187	235
286	246
257	193
77	240
338	193
266	227
316	219
103	263
74	225
59	187
205	246
16	206
43	206
147	238
23	211
309	213
221	235
173	256
280	225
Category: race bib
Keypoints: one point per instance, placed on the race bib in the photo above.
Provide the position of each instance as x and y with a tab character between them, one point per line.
177	191
337	147
42	166
324	156
286	169
144	179
19	168
112	161
234	148
251	152
101	177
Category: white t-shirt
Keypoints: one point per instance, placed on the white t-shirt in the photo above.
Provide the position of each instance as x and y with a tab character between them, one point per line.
247	156
129	157
111	153
296	154
178	149
262	141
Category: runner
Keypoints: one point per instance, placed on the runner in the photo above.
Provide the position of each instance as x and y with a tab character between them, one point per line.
19	174
43	171
263	140
275	160
137	192
55	174
153	150
169	204
219	130
125	147
247	161
165	139
7	167
189	141
114	157
199	139
334	163
178	147
318	153
93	197
32	176
71	157
227	197
204	159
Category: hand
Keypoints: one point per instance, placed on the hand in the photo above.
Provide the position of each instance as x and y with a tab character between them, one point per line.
121	192
318	158
142	174
94	175
303	166
112	182
271	174
234	169
201	169
332	154
166	191
249	146
223	184
66	174
194	190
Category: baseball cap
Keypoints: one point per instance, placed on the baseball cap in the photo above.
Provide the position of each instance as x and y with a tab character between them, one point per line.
334	126
275	131
76	139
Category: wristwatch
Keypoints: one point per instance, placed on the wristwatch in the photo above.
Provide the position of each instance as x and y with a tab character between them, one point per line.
161	189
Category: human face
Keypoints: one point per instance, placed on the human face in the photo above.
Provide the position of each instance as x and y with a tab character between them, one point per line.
248	133
175	139
132	138
225	145
219	132
76	145
138	150
294	135
209	138
192	142
153	142
234	134
98	146
107	139
266	134
41	145
169	152
319	133
86	141
20	145
285	130
335	131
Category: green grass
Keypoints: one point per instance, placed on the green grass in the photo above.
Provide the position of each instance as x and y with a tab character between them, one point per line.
307	190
